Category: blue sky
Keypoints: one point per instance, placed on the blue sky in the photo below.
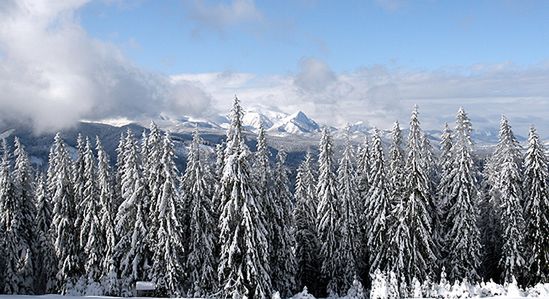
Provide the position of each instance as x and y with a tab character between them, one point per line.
177	36
338	61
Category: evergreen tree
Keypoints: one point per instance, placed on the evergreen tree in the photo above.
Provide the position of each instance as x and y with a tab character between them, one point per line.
79	182
63	228
24	190
463	235
363	173
329	214
45	256
307	243
200	264
283	263
167	267
349	219
363	185
379	207
92	236
105	196
434	210
536	188
363	168
119	173
508	189
267	199
396	165
445	165
130	222
217	175
243	266
153	175
412	247
17	223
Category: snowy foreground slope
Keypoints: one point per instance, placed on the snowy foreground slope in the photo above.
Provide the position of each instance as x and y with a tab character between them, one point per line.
457	291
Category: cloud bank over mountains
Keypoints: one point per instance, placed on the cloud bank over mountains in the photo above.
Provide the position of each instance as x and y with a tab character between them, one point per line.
380	95
53	74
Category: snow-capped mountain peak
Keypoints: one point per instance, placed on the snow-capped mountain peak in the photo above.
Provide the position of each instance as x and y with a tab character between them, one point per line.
297	123
253	120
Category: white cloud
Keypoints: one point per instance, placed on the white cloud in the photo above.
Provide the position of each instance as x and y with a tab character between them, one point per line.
314	76
218	17
53	74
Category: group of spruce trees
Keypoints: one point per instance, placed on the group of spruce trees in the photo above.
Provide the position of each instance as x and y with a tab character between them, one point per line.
232	228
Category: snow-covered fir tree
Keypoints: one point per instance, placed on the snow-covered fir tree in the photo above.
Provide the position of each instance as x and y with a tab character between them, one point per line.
348	198
329	213
243	266
201	261
17	222
379	207
445	166
63	228
23	180
396	165
153	176
363	186
109	269
536	195
363	168
92	235
462	240
283	263
434	179
167	268
79	168
398	232
508	189
130	223
429	159
45	256
267	199
217	175
119	173
411	246
304	214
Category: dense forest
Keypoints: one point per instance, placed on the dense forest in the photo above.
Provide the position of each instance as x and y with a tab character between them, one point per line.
230	226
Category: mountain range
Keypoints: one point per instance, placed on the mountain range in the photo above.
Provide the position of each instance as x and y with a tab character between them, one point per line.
297	133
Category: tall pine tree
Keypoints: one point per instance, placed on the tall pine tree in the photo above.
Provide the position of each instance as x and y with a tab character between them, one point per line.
44	278
243	265
201	262
349	200
283	264
307	243
463	235
379	207
130	223
508	189
329	218
63	228
109	279
396	165
445	166
536	188
17	221
167	268
412	246
92	236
